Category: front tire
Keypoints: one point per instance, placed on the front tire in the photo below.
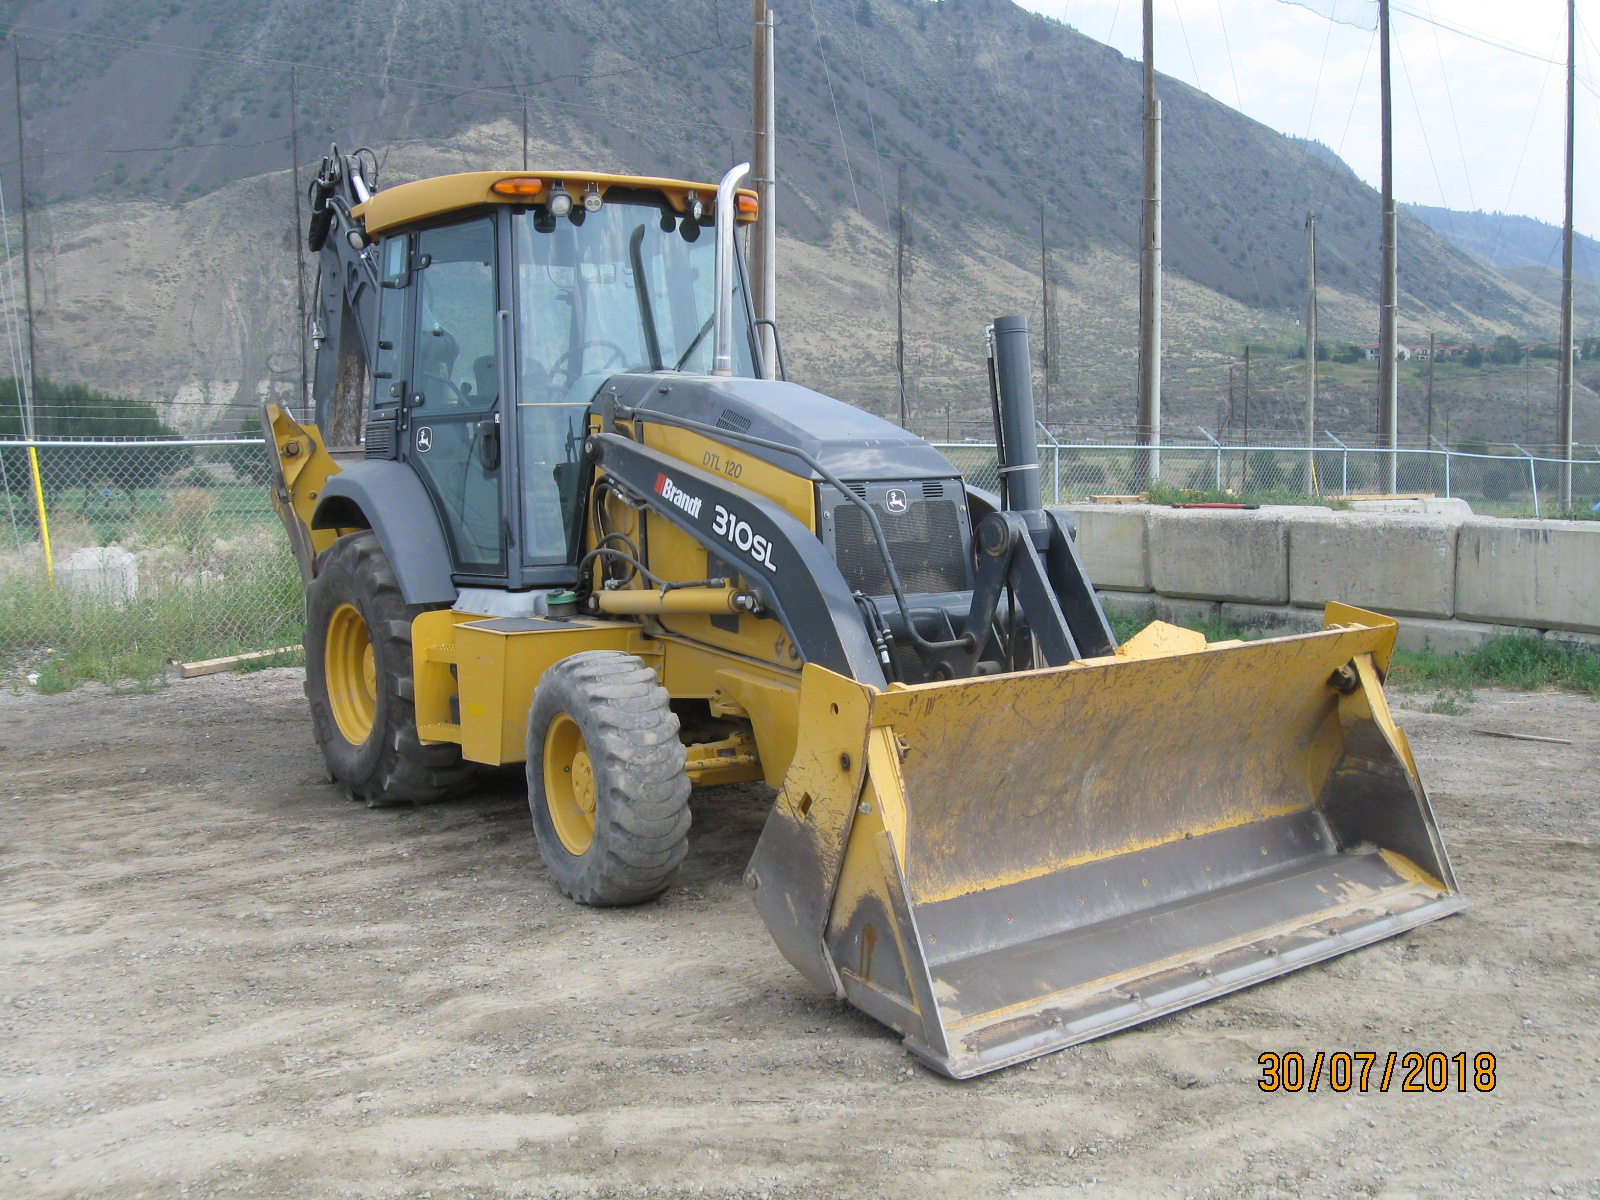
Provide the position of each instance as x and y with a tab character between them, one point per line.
359	680
607	787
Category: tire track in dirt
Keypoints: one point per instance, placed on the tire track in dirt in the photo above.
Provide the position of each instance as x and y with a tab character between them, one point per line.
220	978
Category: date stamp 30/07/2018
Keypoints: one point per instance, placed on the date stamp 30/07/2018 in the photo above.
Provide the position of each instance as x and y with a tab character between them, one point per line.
1377	1071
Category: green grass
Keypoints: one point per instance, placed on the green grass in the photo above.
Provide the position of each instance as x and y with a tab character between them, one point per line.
58	639
1521	661
1164	493
1451	702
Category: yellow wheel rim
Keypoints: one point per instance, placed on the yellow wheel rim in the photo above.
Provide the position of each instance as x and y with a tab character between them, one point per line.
351	674
569	784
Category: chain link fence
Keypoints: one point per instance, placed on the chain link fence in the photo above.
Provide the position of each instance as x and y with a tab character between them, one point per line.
117	557
1512	485
168	550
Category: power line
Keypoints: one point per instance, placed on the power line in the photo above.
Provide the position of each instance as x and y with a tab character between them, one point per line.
1521	156
839	121
872	125
1427	142
1429	19
1449	95
1238	96
1249	258
1344	136
1316	91
1183	28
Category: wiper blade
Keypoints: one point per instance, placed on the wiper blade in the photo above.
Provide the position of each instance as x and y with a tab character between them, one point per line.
695	345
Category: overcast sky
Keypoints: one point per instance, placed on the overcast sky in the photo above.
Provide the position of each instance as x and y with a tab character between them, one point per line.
1476	126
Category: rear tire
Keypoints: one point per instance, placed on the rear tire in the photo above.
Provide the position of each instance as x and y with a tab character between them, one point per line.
360	680
607	787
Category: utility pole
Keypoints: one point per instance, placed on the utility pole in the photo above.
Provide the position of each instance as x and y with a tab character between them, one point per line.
764	240
1311	353
1247	395
1564	374
1045	314
1432	355
900	291
30	382
299	255
524	97
1150	266
1388	376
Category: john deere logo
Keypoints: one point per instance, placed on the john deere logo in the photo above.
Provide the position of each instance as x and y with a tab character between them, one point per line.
895	500
424	440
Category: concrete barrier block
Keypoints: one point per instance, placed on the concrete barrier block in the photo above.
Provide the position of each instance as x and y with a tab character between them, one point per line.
107	572
1150	607
1446	506
1113	544
1273	620
1399	564
1407	504
1210	554
1542	574
1425	634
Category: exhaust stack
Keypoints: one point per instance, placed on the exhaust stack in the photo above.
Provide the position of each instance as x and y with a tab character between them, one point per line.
722	321
1019	443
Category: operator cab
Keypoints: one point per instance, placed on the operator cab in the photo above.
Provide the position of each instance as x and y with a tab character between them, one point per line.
503	305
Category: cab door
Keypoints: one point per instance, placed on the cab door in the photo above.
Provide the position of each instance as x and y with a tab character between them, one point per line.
452	433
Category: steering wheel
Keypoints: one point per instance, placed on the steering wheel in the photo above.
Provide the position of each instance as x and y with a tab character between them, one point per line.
562	368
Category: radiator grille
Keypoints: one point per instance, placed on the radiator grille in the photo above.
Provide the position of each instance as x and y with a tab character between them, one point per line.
925	542
379	439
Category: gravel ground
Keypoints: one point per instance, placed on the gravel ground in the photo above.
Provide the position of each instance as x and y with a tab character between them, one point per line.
218	977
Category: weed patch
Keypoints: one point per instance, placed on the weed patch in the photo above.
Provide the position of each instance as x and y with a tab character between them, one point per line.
1163	493
1521	661
231	600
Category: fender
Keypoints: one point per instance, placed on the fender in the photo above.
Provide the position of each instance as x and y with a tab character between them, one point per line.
389	499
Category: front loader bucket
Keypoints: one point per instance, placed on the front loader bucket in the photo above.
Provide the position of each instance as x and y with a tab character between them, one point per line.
1001	867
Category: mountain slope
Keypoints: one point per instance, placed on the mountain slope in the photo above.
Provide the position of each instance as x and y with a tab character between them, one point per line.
158	155
1503	241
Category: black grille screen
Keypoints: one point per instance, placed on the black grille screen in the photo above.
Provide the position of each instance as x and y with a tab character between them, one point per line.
925	542
380	439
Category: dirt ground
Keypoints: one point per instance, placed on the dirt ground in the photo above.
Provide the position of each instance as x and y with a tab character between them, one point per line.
220	977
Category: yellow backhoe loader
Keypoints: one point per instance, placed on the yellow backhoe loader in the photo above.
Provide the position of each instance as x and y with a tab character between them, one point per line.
554	508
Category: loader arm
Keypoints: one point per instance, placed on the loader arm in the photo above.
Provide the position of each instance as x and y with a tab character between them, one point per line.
783	563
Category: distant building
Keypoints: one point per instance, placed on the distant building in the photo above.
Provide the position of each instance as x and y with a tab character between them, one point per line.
1371	350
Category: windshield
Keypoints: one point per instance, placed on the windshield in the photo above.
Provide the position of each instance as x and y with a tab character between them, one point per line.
627	288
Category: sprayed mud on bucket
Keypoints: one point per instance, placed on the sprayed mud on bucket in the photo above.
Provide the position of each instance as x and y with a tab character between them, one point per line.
1002	867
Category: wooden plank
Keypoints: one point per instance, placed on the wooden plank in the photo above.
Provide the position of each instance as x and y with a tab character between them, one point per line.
212	666
1523	737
